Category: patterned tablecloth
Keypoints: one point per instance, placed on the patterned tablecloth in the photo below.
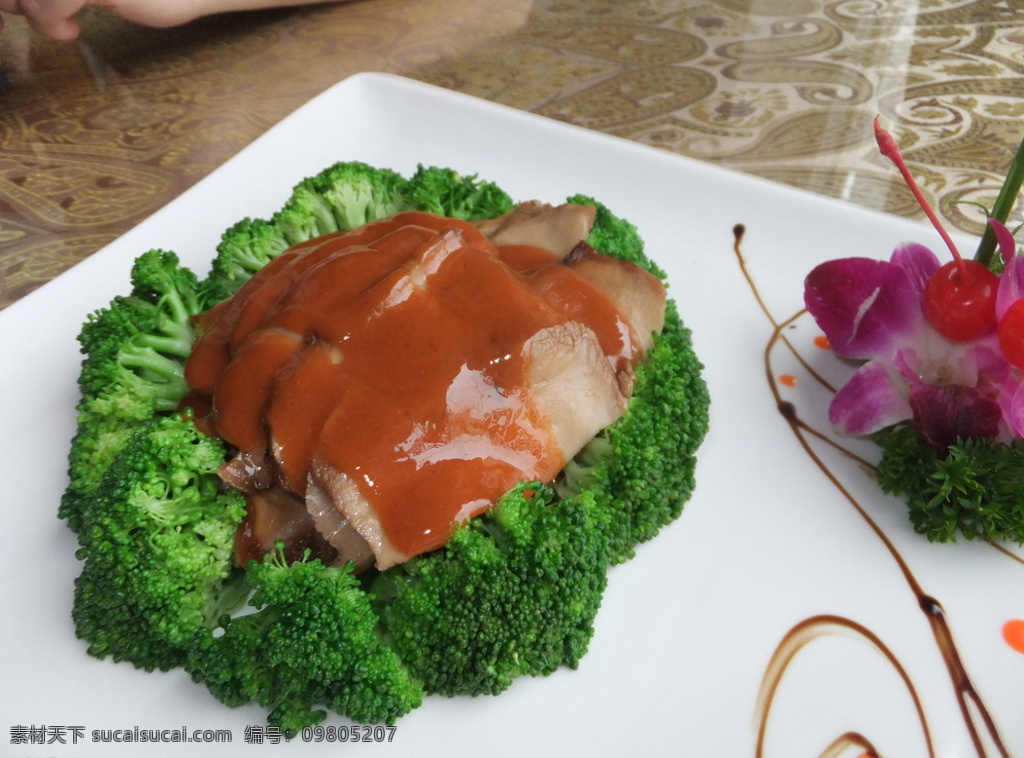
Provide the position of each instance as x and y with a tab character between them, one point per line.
96	135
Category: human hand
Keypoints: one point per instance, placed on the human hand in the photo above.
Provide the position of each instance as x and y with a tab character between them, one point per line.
58	18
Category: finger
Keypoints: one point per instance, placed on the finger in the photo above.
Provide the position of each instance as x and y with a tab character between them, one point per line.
54	18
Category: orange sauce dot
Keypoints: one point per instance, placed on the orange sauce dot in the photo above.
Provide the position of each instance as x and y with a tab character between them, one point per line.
788	379
822	341
1013	633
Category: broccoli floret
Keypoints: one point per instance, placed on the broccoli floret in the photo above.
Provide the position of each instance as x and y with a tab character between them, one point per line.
149	333
159	278
970	490
447	193
295	224
514	593
313	644
244	249
158	547
350	194
341	197
616	236
133	368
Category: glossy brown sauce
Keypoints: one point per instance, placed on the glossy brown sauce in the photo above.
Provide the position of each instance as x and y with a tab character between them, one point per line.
976	716
368	350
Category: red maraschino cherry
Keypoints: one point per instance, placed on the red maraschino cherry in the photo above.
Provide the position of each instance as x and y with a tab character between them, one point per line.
960	298
1011	334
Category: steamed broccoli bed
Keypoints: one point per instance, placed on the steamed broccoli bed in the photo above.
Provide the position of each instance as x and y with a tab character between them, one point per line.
515	591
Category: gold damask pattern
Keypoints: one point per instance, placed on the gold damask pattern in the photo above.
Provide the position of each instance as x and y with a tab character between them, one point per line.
96	136
786	90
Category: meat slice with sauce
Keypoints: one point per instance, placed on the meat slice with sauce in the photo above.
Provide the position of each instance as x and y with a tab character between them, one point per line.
556	228
409	373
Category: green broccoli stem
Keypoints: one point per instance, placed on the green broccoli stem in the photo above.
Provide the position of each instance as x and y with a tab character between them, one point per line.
228	598
180	313
1003	205
260	620
152	362
175	342
168	512
165	376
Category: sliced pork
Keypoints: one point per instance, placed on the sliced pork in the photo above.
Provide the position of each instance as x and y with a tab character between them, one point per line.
557	228
382	386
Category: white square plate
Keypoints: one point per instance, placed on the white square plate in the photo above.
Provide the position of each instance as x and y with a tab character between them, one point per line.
774	582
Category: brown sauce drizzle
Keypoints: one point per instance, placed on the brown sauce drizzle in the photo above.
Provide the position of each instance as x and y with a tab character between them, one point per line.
799	637
974	712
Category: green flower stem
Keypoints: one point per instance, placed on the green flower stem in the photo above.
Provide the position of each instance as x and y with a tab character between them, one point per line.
1004	204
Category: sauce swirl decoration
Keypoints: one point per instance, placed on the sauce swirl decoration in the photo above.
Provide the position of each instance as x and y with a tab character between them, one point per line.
976	716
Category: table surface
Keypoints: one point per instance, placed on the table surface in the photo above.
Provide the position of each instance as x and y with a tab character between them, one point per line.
97	134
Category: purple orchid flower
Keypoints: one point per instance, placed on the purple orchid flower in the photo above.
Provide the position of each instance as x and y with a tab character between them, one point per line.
871	310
